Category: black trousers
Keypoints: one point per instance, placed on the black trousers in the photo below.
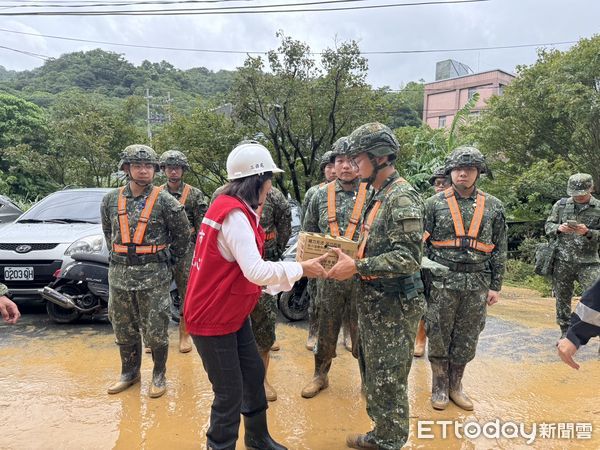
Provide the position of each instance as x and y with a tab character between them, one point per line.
237	374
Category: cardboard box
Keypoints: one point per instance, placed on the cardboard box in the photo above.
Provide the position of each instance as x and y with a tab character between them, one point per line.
312	245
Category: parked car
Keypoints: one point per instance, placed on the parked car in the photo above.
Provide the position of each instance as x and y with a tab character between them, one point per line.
41	241
9	212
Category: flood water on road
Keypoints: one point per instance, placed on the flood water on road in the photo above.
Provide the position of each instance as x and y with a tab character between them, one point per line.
53	383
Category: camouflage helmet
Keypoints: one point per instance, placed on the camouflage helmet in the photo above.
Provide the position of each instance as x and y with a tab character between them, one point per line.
466	156
327	158
138	153
339	147
173	158
439	172
373	138
580	184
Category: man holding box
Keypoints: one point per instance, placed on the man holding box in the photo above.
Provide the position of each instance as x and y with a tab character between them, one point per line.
335	210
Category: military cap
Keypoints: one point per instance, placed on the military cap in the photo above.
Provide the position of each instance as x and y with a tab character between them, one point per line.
580	184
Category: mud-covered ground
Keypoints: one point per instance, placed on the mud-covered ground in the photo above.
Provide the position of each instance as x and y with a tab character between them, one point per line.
53	383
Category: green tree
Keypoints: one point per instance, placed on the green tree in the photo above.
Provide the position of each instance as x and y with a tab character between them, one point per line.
302	106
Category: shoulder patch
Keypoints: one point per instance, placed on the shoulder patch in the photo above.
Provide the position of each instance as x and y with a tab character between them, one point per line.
404	201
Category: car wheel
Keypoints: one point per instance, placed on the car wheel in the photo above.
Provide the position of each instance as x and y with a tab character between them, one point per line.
63	315
294	304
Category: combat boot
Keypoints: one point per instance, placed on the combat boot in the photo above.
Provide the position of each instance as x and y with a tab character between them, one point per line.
420	339
439	384
256	433
270	393
359	441
347	338
457	395
131	361
320	380
159	380
185	341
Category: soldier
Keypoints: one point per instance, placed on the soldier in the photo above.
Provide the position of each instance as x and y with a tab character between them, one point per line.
146	230
575	225
328	169
276	221
440	182
476	259
390	300
335	209
174	164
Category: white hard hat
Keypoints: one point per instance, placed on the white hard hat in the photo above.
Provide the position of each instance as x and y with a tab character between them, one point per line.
250	158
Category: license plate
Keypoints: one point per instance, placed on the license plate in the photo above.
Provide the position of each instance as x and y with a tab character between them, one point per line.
18	273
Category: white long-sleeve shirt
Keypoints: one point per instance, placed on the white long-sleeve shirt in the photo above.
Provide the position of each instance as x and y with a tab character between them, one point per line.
236	242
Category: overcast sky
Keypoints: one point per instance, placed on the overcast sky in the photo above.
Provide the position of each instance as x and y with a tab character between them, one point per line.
492	23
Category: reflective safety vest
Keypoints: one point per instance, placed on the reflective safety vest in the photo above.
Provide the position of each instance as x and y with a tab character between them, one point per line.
334	228
140	230
184	195
462	240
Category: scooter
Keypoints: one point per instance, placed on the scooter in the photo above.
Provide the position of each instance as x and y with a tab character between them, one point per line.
81	289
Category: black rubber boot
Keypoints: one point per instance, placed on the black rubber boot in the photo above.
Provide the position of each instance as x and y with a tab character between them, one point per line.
159	379
256	433
439	384
131	361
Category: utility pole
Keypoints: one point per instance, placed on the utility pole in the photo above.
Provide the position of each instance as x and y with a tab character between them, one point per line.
148	97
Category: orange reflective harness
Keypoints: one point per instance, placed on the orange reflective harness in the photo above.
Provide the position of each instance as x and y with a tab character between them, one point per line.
463	240
367	224
140	230
184	195
334	228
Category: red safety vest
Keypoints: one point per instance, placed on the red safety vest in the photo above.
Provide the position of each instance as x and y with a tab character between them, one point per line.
219	298
462	240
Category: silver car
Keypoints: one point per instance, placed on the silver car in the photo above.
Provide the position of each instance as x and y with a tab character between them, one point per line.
40	242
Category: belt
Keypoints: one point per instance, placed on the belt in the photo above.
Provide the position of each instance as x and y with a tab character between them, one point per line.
462	267
411	286
132	258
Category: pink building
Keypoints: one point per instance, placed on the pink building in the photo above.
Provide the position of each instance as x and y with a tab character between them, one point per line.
444	97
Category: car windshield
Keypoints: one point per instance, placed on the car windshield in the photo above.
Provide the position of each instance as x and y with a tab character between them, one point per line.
66	207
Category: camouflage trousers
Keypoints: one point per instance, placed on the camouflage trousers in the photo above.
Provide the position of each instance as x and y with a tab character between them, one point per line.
263	322
453	322
336	300
148	310
181	274
563	278
313	320
387	325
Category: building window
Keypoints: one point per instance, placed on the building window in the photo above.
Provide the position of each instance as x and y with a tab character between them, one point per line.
500	89
472	92
442	122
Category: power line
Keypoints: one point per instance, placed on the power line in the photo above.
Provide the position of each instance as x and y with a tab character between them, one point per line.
24	52
262	52
238	9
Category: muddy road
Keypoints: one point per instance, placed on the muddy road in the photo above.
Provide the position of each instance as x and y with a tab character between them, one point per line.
53	383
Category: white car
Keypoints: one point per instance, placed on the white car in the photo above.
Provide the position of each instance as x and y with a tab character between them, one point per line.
39	243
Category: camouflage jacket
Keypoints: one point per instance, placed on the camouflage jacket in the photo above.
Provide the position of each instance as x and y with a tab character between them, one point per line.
195	206
3	289
440	226
574	247
315	219
307	198
168	225
395	243
276	218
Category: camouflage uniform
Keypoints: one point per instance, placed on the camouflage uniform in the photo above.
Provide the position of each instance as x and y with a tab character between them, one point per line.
333	296
139	293
195	208
276	218
576	256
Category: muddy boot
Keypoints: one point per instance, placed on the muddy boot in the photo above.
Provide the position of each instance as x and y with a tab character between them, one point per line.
439	384
256	434
275	347
320	380
270	393
420	339
159	380
347	339
131	361
185	341
456	393
359	441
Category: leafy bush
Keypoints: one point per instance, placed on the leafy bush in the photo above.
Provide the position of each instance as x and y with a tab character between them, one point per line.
521	274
